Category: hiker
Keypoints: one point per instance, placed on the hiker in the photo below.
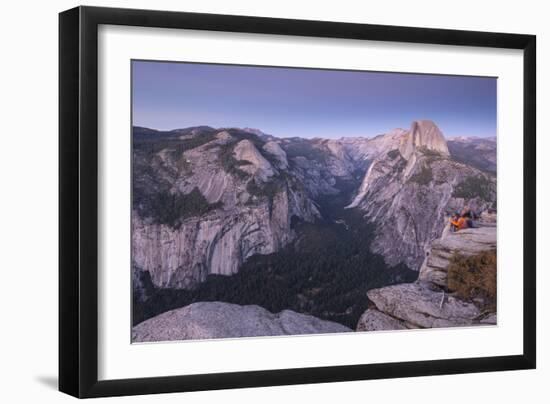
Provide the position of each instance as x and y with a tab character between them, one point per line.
469	215
461	221
454	222
466	212
465	221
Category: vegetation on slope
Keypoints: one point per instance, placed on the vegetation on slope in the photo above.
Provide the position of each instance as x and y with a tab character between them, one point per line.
423	177
434	154
305	148
268	189
172	209
473	187
474	278
393	154
178	141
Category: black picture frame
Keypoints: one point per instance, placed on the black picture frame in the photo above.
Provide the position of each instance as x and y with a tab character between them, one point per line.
78	201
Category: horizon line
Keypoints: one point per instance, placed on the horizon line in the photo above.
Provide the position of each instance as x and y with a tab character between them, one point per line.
313	137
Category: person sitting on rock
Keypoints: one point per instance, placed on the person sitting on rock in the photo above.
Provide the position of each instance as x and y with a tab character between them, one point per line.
467	212
469	215
454	222
459	222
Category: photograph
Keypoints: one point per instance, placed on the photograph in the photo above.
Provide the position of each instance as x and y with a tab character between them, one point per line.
271	203
275	201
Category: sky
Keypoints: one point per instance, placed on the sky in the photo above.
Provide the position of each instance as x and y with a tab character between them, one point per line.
288	102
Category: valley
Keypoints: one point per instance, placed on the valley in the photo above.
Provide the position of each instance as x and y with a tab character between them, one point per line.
325	272
308	225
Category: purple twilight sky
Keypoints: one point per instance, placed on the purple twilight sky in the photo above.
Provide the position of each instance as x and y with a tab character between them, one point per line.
308	103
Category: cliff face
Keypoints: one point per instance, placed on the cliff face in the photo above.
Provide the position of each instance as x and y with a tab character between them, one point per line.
213	244
427	303
409	191
423	135
241	204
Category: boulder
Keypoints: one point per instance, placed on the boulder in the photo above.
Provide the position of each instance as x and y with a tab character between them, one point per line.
423	306
374	320
206	320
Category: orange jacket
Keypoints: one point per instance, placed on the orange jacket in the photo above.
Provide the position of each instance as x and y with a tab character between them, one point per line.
460	223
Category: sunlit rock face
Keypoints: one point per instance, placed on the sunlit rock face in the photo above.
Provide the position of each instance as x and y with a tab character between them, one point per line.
423	135
258	165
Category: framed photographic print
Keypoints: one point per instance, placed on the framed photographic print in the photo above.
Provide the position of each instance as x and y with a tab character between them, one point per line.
251	201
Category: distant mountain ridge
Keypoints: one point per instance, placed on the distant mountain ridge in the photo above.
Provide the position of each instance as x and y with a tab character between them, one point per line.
476	151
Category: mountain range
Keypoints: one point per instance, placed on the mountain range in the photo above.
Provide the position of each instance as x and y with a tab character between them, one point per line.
214	204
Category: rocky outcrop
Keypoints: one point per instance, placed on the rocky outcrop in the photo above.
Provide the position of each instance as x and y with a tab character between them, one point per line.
467	242
373	319
426	303
409	191
276	151
206	320
423	135
258	165
421	306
